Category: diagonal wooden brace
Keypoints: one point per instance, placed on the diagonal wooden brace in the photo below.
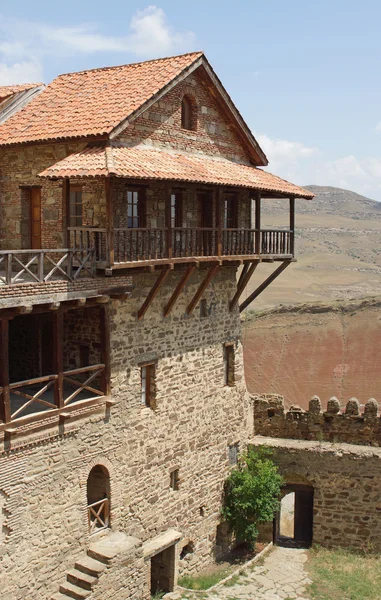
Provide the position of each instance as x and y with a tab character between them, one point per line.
242	283
179	288
264	285
153	293
202	287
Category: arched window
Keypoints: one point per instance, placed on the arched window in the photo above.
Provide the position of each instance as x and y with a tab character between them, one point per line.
186	114
98	498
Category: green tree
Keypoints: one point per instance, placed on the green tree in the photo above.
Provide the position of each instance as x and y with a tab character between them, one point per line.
251	494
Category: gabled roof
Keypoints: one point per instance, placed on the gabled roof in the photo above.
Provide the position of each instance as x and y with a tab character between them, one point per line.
154	164
101	102
10	90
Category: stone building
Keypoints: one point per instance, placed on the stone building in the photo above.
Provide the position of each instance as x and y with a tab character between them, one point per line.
126	197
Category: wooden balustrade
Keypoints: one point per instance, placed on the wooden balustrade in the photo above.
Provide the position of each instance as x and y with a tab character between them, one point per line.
137	244
200	241
238	242
276	242
98	515
39	393
89	237
29	266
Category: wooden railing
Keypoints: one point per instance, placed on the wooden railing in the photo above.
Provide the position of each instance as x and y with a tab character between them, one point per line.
98	514
42	392
144	244
26	266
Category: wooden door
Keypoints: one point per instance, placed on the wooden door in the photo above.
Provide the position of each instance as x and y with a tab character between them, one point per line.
35	218
205	202
303	517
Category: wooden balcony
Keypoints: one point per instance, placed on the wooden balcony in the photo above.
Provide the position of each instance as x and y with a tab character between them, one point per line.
138	246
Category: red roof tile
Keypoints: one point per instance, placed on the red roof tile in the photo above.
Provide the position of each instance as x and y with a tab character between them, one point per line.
149	163
92	103
10	90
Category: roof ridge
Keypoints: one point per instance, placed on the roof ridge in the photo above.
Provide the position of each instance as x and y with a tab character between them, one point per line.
142	62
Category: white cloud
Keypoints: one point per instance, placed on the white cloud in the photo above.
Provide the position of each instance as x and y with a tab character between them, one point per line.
306	165
22	43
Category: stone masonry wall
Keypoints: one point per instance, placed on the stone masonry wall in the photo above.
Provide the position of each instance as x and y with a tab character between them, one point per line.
346	480
354	426
44	473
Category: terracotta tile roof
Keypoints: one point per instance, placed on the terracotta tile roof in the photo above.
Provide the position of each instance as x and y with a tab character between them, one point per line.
148	163
92	103
10	90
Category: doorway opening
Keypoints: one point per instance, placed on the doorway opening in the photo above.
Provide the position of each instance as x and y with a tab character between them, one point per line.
293	526
98	499
163	571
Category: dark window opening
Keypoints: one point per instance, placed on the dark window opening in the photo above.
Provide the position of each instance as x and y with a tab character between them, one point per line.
135	209
75	207
186	114
174	479
203	308
188	549
230	212
176	210
202	511
233	454
98	499
229	360
148	387
163	572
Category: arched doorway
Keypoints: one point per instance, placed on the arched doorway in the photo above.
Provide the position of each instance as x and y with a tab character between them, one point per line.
98	498
293	526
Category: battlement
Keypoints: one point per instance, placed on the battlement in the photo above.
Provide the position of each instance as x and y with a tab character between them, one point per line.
354	426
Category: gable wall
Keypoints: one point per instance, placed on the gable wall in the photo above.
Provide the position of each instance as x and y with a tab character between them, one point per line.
160	125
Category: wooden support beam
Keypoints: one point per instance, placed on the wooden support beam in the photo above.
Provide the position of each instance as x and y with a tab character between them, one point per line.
202	287
242	284
5	400
58	344
258	223
292	224
243	273
179	288
218	209
264	285
110	253
168	218
66	211
106	350
153	293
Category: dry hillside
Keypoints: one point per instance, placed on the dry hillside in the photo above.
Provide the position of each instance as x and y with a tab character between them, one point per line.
338	248
328	349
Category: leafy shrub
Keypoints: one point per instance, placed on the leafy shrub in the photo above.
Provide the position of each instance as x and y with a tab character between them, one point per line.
251	494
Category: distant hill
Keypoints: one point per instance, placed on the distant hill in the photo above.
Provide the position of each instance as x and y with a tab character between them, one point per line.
337	245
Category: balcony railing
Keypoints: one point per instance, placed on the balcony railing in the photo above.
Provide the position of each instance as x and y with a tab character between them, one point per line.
39	266
98	514
146	244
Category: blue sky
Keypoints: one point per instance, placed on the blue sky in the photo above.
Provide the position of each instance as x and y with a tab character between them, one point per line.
305	75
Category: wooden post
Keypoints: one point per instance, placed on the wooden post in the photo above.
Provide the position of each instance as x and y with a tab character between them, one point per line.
5	404
168	219
105	350
292	225
218	205
110	252
58	344
66	211
258	223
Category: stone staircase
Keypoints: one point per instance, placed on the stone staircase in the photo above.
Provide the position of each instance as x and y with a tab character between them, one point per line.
81	580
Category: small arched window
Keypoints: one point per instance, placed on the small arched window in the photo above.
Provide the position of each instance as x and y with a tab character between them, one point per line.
186	114
98	498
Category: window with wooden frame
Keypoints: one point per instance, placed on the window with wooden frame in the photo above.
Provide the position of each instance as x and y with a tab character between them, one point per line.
135	208
174	479
229	360
187	120
75	206
148	385
176	209
230	212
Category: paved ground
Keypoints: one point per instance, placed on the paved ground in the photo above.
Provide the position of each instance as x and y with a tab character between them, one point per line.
282	577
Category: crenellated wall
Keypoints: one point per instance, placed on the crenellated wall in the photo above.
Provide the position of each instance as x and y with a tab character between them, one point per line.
354	425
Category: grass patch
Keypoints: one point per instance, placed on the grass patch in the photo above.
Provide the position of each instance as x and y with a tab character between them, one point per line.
344	575
203	581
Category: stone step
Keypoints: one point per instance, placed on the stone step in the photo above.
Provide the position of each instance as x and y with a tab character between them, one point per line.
74	591
89	565
83	580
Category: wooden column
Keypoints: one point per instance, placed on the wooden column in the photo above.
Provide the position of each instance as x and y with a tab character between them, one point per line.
58	344
258	223
66	211
5	403
110	252
105	350
168	220
292	225
218	204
